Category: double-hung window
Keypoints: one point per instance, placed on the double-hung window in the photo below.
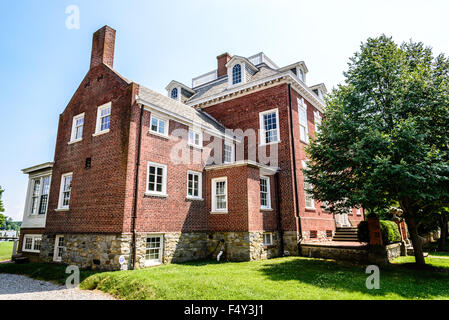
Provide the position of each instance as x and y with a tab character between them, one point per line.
195	138
32	243
77	128
310	202
229	152
302	112
153	250
39	195
159	125
220	195
265	201
65	191
317	119
194	184
103	118
269	126
156	179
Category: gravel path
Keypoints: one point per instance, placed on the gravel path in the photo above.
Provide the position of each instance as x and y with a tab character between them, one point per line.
15	287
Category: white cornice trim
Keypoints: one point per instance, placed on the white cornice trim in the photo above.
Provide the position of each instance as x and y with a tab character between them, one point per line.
152	107
289	76
46	165
240	163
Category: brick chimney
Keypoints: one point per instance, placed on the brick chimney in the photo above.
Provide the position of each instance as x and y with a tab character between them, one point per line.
103	45
221	62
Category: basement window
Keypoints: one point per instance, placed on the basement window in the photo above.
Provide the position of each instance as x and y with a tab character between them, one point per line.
313	234
153	250
32	243
268	239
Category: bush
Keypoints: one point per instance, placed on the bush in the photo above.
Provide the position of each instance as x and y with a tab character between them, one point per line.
363	231
390	232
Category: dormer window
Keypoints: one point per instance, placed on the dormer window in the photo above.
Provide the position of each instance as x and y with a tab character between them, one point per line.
301	75
237	74
174	94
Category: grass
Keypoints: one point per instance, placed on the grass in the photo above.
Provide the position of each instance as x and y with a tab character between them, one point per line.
281	278
436	261
6	250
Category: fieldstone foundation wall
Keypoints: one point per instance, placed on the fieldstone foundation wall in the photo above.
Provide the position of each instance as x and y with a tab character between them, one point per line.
177	247
92	251
291	240
242	246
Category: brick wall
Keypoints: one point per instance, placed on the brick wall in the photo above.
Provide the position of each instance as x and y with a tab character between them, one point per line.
98	194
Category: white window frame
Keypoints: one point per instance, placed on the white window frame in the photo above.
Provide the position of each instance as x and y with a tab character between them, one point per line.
270	234
162	193
232	145
304	165
98	130
302	107
358	211
61	192
39	196
262	127
268	206
56	257
200	138
200	185
214	195
317	119
73	138
155	262
33	237
159	118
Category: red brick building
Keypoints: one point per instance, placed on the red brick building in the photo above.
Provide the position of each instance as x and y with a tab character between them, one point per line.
140	178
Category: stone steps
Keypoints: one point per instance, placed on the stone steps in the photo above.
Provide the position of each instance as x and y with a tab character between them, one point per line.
346	234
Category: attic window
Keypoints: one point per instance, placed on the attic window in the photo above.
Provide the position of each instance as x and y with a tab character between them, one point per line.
174	93
237	74
301	75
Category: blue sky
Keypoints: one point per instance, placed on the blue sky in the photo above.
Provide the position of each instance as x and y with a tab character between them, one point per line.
42	62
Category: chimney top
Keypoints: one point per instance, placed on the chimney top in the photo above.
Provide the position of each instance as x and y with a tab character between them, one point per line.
222	60
103	44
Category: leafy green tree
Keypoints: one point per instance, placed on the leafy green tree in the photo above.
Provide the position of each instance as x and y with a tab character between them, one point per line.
384	136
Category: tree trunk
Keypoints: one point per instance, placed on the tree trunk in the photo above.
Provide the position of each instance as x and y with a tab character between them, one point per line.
416	241
443	226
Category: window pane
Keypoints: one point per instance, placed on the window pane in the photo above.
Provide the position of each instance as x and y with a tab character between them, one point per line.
236	74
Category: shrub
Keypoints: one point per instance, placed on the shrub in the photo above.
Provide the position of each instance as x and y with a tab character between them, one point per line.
363	231
390	232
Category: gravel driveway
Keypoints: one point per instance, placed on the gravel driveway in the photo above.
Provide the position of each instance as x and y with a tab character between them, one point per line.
15	287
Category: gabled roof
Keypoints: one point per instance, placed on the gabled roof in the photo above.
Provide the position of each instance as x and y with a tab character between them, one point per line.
321	86
293	65
230	62
175	83
185	113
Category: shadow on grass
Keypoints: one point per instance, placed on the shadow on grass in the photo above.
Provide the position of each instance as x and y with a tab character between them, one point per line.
329	274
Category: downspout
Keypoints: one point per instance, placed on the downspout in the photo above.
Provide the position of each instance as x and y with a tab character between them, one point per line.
295	178
279	218
136	187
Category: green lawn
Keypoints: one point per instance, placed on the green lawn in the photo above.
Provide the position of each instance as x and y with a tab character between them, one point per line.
5	250
281	278
435	261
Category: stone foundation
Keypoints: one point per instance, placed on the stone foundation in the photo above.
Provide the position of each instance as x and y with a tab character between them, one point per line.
91	251
102	251
291	240
242	246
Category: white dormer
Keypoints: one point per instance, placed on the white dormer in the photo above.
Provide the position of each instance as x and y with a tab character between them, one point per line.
240	70
299	69
178	91
320	90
